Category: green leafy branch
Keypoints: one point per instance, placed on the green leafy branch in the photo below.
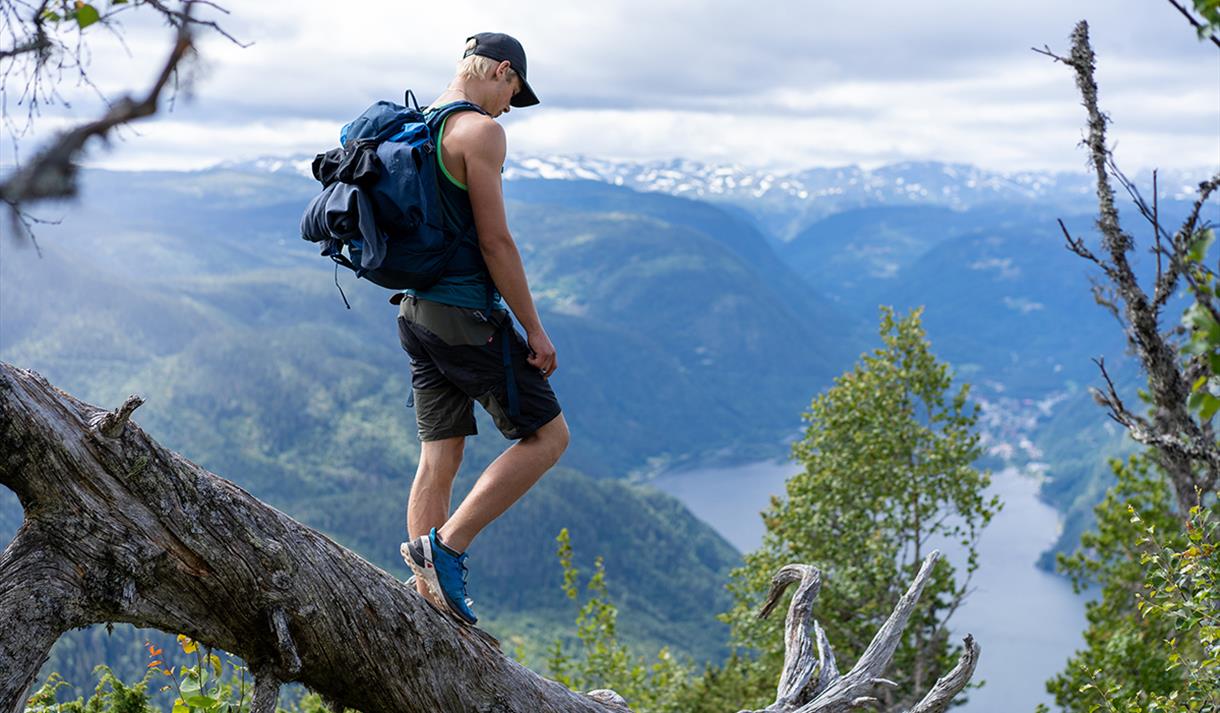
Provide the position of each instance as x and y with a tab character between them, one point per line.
602	661
197	691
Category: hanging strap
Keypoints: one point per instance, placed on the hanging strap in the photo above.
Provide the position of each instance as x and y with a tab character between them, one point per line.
506	333
510	379
346	263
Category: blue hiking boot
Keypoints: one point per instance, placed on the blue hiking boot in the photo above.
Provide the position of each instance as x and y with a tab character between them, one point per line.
443	571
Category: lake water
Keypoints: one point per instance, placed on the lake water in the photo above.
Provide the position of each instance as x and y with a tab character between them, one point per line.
1027	621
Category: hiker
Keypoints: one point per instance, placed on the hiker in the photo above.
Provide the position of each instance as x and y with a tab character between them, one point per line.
460	338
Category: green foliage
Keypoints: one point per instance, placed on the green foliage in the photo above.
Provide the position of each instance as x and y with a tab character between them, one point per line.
1123	652
1153	641
208	686
110	696
888	474
726	687
601	660
1209	10
1182	586
203	687
82	13
1202	343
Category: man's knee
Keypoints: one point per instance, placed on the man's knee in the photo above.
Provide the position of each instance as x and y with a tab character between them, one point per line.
554	436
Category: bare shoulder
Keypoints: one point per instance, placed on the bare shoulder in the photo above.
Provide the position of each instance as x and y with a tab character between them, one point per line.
475	134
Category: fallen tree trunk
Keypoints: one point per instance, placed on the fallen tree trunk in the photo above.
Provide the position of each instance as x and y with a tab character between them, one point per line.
118	529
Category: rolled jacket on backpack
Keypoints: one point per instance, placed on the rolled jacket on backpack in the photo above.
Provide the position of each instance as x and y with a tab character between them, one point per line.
340	214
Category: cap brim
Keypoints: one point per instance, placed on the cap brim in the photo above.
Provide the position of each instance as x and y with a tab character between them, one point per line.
525	97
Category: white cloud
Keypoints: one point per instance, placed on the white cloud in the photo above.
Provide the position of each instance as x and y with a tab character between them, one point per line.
1024	306
783	83
1003	266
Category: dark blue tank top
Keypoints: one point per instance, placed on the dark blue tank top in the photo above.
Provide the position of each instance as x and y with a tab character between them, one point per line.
464	288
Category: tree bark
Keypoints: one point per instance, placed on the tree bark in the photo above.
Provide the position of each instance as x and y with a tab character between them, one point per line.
117	528
120	529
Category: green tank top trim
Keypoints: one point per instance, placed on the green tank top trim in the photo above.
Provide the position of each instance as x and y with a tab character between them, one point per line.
440	135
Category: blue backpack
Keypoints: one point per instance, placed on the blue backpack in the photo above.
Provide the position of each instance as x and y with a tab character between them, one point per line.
380	202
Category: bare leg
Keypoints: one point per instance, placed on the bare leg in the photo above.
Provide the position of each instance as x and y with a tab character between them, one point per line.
505	481
429	504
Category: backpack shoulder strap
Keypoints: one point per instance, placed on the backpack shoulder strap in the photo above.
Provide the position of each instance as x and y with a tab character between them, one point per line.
435	116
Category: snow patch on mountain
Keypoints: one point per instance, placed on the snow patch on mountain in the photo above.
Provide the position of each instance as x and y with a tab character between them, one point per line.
784	199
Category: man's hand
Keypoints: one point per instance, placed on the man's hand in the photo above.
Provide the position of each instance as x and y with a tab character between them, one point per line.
542	353
481	143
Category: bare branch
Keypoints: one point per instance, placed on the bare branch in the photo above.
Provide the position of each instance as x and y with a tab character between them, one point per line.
952	683
873	662
45	56
1186	232
1142	431
52	172
1156	232
1136	197
1166	281
1045	50
183	18
1113	402
111	423
1077	246
1183	241
815	686
1104	296
1185	448
37	44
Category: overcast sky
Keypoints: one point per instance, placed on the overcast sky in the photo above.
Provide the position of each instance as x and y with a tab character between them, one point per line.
769	84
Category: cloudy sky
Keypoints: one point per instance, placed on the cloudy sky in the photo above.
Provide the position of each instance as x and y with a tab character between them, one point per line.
779	84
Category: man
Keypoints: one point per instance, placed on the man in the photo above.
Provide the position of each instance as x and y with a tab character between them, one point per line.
461	341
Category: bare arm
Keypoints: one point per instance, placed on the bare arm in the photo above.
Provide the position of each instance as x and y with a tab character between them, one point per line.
483	151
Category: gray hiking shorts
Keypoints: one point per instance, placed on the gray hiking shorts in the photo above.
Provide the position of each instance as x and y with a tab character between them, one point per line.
457	358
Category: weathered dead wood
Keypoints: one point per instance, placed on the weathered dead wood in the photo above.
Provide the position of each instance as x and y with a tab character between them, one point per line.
811	683
119	529
112	423
1183	446
266	693
949	685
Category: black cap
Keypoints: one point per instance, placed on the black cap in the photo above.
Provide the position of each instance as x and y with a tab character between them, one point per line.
500	47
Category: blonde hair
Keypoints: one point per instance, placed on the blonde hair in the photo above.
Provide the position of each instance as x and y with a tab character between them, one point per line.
477	66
